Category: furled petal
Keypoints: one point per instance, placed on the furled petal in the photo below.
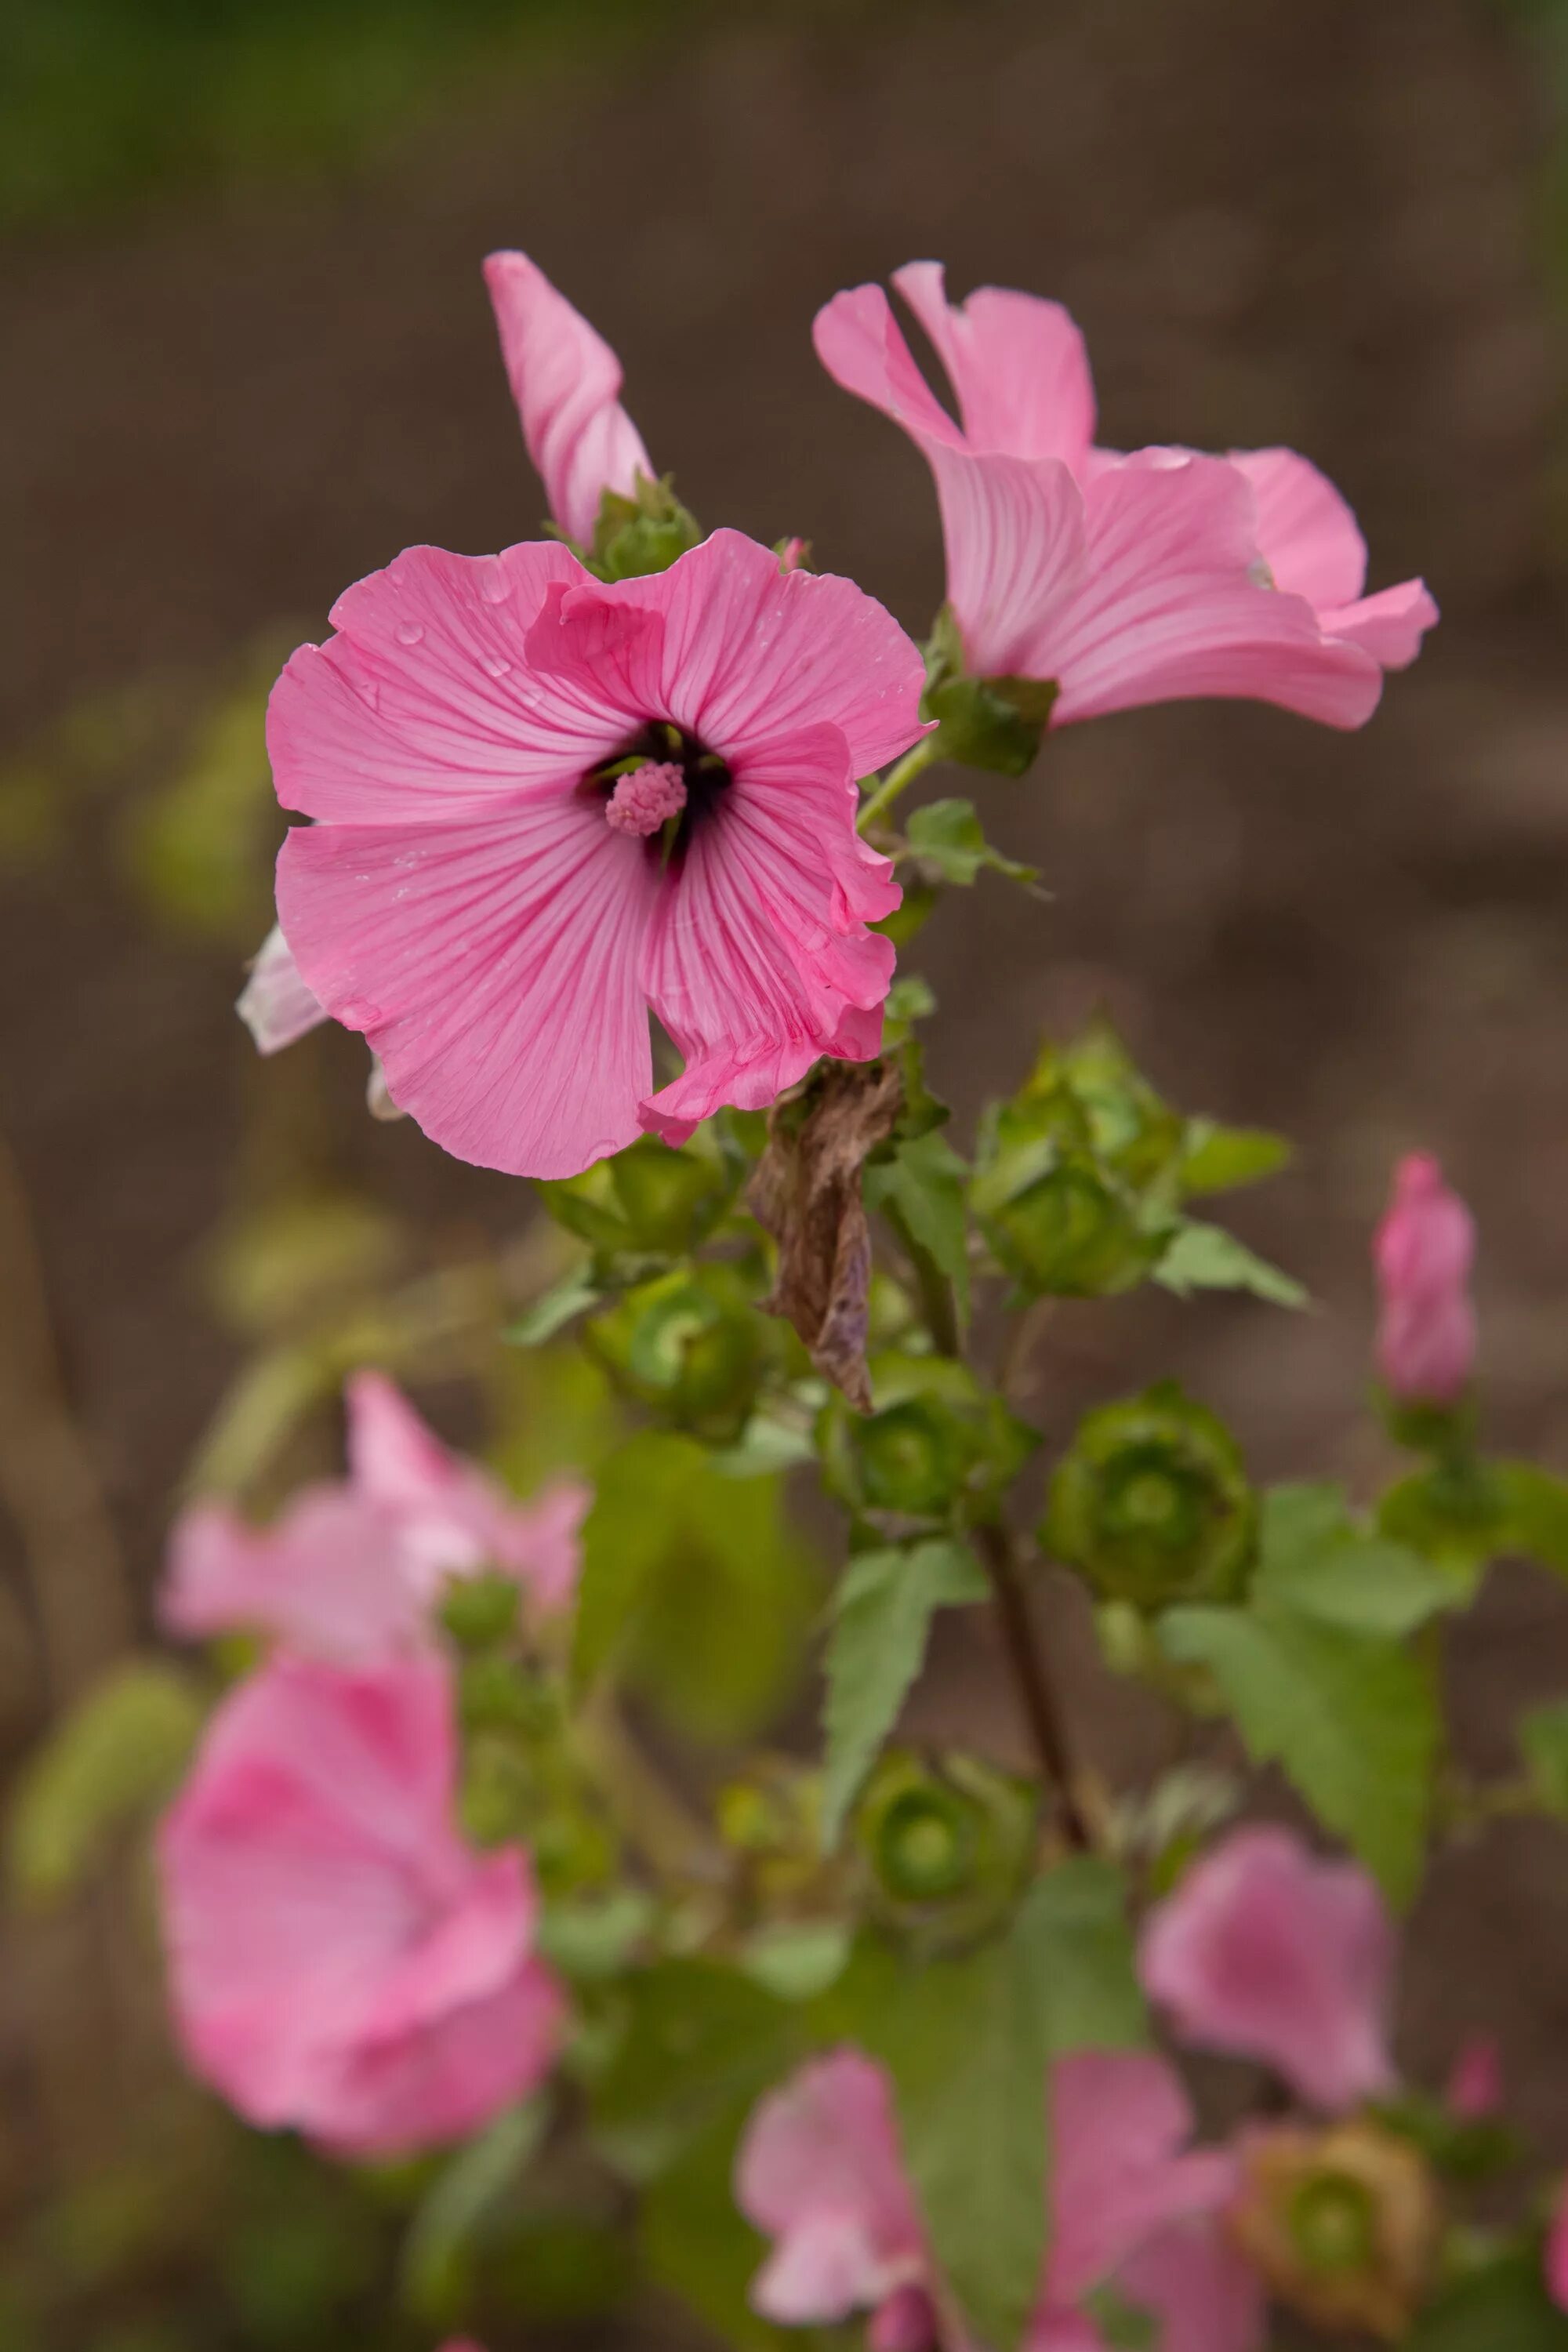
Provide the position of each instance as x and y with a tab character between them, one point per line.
1306	533
493	964
1269	1953
275	1005
424	705
566	380
1389	627
1204	2296
861	345
1016	363
1557	2253
1166	606
819	2172
327	1578
759	959
1119	2123
1423	1251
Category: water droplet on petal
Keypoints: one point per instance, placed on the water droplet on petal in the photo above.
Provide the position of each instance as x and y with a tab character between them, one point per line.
369	694
359	1012
409	633
495	583
496	668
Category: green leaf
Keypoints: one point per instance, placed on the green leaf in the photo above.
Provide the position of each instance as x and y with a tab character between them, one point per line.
1206	1257
1221	1158
693	1588
439	2251
1503	2309
113	1760
1315	1559
1542	1737
697	2242
881	1617
555	1309
968	2042
1353	1720
923	1186
595	1936
1535	1510
697	2038
947	835
797	1959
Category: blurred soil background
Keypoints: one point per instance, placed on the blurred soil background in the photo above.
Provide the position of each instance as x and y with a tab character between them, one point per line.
236	375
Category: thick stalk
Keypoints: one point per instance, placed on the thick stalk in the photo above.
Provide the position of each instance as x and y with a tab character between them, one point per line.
903	773
1029	1674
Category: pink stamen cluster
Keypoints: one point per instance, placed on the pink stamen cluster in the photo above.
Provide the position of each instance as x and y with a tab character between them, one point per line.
642	800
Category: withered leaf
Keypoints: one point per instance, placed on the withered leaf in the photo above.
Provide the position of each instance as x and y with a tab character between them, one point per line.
806	1193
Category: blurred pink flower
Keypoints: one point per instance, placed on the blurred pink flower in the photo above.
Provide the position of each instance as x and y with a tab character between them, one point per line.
348	1571
820	2173
340	1962
275	1005
1124	579
463	900
1422	1252
566	383
1265	1952
1557	2250
1474	2090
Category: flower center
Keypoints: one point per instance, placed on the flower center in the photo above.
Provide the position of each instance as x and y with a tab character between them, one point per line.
662	784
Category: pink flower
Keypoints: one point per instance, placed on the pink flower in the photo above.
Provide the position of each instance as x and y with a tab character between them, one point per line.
565	379
275	1005
1474	2088
1422	1252
341	1961
350	1570
1557	2252
821	2174
1268	1953
465	899
1124	580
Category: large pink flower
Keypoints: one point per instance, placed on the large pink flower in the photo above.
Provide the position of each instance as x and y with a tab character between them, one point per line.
339	1960
820	2173
349	1569
1422	1252
545	804
566	383
1123	578
1267	1952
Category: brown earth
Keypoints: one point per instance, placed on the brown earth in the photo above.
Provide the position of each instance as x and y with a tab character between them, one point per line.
1276	223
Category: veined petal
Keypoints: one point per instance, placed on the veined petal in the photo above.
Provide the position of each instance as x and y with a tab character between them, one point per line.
861	345
1306	533
566	383
1166	608
493	964
326	1577
750	653
425	704
1014	535
1017	364
275	1005
758	960
1389	627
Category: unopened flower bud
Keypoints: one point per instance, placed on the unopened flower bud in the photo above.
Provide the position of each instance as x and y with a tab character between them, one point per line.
683	1346
1343	2224
948	1846
1422	1252
1153	1503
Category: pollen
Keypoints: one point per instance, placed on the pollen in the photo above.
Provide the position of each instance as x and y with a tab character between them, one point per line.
643	801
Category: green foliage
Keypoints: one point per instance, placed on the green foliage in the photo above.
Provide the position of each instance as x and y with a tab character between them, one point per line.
968	2040
1151	1503
881	1616
946	837
1206	1257
1352	1717
1465	1511
995	724
649	1202
453	2217
695	2039
1316	1559
1503	2307
937	1447
106	1764
920	1187
640	534
691	1347
1218	1159
693	1588
1543	1736
198	847
949	1846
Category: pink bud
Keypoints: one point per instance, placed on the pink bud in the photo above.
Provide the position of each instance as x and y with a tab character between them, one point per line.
1423	1250
1557	2250
1475	2081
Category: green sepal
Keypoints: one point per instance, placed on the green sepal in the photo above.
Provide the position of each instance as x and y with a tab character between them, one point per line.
995	724
644	533
938	1445
689	1346
1151	1503
648	1199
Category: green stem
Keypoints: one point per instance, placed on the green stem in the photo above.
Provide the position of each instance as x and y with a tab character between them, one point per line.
898	778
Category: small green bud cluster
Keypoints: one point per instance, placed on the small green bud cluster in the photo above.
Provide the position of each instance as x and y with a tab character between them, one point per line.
1152	1503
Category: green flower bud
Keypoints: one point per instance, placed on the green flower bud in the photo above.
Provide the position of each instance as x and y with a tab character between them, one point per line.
1333	2222
1074	1232
671	1200
690	1345
1152	1504
948	1847
495	1693
480	1611
641	534
912	1457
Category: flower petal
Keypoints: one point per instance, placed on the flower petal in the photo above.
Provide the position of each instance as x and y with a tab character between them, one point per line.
759	959
566	380
861	345
424	705
1390	626
1120	2121
1199	2288
326	1577
493	964
1013	531
1016	362
275	1005
1306	533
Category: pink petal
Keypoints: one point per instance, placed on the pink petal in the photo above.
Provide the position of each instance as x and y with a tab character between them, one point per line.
424	705
326	1577
1390	626
759	959
1120	2122
903	2321
493	964
1266	1952
1557	2253
566	380
1166	607
1194	2283
395	1458
1017	364
860	344
275	1005
1307	536
1474	2090
819	2273
1013	531
1423	1251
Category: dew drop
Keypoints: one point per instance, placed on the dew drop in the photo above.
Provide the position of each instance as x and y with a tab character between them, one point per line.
409	633
495	586
496	668
359	1012
369	694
